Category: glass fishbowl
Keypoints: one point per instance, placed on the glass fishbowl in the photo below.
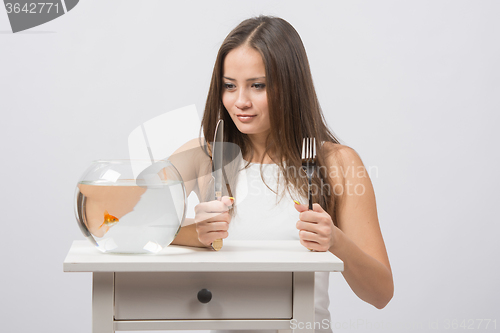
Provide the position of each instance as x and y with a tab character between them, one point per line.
130	206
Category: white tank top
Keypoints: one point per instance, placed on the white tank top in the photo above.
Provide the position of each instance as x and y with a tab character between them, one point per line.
259	216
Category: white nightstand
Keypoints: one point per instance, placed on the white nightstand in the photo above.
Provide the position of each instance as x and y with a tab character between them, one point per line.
246	285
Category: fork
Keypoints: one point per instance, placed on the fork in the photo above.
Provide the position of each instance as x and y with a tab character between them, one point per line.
309	163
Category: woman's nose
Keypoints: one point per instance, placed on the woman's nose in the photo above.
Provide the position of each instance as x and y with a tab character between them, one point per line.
243	102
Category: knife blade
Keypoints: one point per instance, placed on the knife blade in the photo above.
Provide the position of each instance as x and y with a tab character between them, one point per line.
217	164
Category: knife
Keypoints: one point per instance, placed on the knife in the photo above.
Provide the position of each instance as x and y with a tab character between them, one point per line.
217	163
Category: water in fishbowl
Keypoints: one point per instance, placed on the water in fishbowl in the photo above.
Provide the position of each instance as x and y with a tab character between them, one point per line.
121	217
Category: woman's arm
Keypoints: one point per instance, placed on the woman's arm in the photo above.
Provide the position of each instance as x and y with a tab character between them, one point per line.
188	160
359	243
211	222
357	240
211	218
188	236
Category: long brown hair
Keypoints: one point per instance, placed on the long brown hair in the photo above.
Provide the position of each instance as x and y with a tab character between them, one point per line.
294	108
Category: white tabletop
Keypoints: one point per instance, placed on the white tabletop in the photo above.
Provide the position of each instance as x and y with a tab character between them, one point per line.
235	256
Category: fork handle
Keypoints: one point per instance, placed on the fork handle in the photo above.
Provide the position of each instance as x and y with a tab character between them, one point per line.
310	194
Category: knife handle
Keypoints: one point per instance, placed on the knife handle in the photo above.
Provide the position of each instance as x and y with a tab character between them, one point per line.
218	195
217	244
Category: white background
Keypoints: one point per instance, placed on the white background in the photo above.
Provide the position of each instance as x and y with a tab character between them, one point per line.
413	86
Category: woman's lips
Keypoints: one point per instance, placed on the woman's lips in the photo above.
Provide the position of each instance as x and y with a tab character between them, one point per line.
245	118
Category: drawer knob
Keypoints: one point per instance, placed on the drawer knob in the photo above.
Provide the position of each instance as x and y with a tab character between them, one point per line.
204	295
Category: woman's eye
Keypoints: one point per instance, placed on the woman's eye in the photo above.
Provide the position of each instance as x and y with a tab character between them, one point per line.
259	86
229	86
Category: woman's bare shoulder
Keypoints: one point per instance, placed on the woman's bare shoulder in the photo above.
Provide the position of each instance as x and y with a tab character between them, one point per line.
191	144
192	162
192	150
340	155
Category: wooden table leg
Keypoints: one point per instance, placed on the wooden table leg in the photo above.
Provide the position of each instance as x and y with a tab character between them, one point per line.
303	302
102	302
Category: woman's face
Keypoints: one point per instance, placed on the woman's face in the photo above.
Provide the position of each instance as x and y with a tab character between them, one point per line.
244	91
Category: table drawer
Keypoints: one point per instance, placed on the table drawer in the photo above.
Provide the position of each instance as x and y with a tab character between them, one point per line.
173	295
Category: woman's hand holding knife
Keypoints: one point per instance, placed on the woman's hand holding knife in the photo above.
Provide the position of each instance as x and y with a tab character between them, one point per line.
212	220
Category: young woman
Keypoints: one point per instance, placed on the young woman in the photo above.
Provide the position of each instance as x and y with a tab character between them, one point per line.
263	90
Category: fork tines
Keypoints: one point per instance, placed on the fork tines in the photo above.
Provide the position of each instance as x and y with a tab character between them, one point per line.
309	163
308	149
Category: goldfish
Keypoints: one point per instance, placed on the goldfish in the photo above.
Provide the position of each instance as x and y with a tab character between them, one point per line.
109	220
